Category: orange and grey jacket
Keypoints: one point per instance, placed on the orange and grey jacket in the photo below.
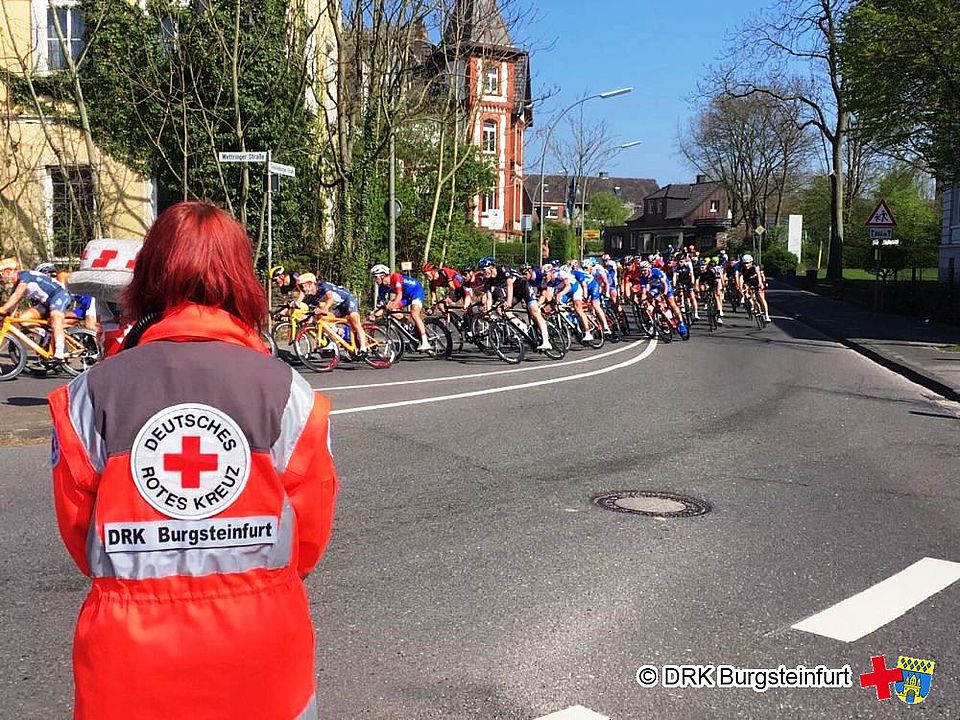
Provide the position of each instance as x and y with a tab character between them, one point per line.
194	483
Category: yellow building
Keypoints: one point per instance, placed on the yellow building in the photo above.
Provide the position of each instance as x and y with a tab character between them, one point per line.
48	206
57	190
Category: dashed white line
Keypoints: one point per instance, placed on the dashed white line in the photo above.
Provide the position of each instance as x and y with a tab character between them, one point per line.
551	366
876	606
575	712
490	391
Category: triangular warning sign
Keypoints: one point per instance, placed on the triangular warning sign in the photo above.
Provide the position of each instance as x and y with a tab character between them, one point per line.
881	216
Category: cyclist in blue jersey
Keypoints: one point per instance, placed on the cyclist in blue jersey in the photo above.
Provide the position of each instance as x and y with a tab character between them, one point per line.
44	291
395	292
654	282
561	285
596	288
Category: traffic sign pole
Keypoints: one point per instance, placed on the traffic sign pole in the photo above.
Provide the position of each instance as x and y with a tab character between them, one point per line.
269	230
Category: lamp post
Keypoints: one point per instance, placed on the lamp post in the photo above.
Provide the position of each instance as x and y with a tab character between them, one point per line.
546	141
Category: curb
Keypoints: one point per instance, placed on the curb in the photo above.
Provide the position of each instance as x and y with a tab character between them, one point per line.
907	371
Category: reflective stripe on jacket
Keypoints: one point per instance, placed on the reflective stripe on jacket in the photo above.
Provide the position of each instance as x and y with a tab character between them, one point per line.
194	483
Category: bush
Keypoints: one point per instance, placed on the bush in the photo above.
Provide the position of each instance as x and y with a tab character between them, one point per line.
777	260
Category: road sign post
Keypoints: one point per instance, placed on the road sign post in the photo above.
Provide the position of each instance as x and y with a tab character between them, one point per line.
272	168
881	223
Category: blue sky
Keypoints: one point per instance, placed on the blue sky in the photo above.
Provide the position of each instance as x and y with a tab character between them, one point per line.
661	49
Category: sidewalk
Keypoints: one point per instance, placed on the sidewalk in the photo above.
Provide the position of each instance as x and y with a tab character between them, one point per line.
912	347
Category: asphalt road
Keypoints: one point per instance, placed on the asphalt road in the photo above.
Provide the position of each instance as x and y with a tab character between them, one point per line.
470	576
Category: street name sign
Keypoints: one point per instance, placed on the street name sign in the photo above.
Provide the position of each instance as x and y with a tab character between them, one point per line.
241	157
881	233
881	217
281	169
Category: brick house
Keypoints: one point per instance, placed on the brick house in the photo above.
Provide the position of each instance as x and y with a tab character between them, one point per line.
631	192
495	75
674	215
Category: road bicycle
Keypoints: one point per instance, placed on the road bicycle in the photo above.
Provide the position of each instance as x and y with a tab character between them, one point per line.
530	332
566	317
326	339
469	326
286	322
616	318
30	341
401	333
710	309
753	308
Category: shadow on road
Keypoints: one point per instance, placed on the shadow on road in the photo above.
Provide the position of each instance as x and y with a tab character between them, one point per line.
25	401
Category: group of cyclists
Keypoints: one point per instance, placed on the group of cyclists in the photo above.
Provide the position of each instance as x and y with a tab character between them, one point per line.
595	286
592	285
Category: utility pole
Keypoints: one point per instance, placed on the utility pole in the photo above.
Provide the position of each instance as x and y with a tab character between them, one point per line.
392	236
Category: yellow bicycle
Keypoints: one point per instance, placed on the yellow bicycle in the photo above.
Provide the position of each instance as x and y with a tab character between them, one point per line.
24	341
320	344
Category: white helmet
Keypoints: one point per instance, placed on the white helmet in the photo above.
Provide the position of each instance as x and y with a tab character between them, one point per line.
644	265
379	269
747	257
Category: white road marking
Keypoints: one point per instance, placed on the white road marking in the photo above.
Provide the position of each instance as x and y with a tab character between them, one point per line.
876	606
551	366
575	712
490	391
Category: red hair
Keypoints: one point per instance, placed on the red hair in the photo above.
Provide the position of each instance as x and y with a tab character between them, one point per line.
196	253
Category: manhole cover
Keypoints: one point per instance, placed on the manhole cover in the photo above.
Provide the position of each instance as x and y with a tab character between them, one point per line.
653	504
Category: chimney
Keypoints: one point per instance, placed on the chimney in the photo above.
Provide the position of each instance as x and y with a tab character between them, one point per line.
701	179
604	175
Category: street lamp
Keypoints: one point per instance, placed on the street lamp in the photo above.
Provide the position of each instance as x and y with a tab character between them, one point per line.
583	195
546	141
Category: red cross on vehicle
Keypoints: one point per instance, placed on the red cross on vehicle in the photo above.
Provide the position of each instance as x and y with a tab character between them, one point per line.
190	462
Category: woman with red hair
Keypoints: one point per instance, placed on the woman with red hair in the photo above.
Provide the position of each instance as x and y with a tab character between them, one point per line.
194	484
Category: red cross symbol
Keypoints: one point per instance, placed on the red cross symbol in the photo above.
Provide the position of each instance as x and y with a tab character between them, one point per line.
190	462
881	678
104	258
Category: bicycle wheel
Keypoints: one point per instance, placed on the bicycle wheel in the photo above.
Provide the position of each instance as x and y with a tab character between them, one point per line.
558	345
663	327
439	338
381	353
316	350
596	329
268	341
648	323
82	351
759	319
283	339
13	357
556	327
507	342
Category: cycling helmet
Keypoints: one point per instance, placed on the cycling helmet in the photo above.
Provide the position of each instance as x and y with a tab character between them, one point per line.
276	271
555	263
747	258
306	278
487	262
526	267
466	269
628	259
588	262
47	268
379	269
644	265
10	263
701	262
428	267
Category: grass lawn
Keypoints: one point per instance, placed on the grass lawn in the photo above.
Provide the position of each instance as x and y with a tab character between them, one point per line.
951	348
858	274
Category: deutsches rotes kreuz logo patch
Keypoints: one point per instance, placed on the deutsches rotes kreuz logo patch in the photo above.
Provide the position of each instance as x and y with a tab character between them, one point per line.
190	461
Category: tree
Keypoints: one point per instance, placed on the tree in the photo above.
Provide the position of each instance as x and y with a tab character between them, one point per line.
607	210
901	62
799	42
756	147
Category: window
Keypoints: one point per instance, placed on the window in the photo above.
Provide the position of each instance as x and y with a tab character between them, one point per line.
659	207
956	205
72	207
714	206
491	80
72	27
553	212
489	201
634	237
616	242
489	136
